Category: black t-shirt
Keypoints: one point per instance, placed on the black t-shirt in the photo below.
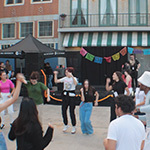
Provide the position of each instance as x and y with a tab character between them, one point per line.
48	70
1	70
90	95
119	87
134	66
33	140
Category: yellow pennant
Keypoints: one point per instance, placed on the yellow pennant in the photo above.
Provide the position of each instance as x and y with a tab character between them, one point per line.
116	56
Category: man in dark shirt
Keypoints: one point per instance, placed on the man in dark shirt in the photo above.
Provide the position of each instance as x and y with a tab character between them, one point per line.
49	73
2	68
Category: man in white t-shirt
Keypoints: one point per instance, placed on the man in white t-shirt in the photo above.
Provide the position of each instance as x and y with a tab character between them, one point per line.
126	132
68	98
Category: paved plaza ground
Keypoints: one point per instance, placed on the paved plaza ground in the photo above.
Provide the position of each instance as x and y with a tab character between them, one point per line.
67	141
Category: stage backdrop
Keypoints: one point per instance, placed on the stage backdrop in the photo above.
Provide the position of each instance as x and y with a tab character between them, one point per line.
97	73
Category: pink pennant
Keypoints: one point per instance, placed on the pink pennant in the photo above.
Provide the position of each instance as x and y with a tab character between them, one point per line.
83	52
108	59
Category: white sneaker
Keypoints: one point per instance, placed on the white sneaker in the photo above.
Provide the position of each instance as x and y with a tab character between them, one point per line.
73	130
65	128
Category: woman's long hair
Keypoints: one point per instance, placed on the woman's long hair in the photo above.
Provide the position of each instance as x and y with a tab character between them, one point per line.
90	88
119	75
28	116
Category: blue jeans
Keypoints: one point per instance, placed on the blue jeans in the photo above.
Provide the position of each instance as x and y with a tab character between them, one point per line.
49	80
2	142
85	114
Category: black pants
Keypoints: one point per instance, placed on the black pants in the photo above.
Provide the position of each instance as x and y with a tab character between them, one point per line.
112	111
134	76
69	101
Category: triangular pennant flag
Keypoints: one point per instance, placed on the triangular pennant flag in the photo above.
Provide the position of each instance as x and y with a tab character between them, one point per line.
89	57
130	50
108	59
83	52
116	56
98	60
138	51
146	51
123	51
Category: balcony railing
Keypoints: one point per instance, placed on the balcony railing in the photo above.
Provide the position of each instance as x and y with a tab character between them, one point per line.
106	20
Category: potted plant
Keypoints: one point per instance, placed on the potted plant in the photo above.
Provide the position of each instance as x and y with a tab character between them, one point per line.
63	16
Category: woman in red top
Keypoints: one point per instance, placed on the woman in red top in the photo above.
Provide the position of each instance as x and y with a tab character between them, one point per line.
128	80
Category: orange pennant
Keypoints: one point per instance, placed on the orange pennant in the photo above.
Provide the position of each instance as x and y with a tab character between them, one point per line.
123	51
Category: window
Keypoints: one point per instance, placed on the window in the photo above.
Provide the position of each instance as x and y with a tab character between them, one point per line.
108	12
14	2
79	11
26	28
5	46
46	28
9	30
41	1
51	45
138	12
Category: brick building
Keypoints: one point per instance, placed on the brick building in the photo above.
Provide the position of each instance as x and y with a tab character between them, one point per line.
21	17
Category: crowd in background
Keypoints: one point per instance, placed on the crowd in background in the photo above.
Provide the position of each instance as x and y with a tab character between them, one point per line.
130	105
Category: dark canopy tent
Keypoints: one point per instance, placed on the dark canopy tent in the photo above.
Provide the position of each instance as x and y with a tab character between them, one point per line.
33	52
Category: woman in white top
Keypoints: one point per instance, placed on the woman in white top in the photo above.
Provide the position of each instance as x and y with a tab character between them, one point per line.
68	97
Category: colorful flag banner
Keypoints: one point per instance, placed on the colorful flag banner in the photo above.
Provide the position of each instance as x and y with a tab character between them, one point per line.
130	50
146	51
108	59
138	51
83	52
123	51
116	56
98	60
89	56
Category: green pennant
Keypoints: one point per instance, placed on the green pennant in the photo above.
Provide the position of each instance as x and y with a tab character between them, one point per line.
89	57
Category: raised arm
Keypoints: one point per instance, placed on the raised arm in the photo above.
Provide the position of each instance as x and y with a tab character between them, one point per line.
55	77
20	79
108	87
39	141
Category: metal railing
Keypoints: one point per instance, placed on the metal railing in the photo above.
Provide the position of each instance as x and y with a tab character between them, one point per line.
106	20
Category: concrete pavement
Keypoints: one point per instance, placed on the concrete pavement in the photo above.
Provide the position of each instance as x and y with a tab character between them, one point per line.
66	141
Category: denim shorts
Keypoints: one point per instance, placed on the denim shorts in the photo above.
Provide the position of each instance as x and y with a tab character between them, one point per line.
2	142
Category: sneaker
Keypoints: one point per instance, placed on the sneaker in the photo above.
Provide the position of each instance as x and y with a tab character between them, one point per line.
73	130
65	128
2	126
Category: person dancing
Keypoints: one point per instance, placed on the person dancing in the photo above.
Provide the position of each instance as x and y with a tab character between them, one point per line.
88	94
10	101
68	97
35	91
5	86
27	130
119	87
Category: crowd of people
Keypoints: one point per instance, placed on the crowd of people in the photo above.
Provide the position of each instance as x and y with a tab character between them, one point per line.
129	116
